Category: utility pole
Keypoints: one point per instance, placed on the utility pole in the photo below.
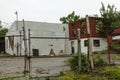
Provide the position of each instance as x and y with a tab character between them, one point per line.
26	54
79	52
17	45
29	41
20	42
90	56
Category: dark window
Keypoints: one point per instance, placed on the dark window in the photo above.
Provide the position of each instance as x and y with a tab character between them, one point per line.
35	52
96	43
72	47
85	43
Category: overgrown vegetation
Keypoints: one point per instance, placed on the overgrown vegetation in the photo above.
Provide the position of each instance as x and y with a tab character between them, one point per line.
73	62
99	62
112	73
115	45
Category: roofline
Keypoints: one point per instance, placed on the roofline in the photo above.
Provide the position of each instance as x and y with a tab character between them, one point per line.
38	22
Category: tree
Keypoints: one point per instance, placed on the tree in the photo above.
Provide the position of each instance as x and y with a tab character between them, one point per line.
110	18
71	18
2	38
2	30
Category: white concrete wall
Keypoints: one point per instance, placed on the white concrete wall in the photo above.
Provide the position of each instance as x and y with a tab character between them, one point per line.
103	45
39	29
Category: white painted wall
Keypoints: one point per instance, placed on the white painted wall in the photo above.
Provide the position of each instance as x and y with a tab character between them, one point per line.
39	29
103	45
116	37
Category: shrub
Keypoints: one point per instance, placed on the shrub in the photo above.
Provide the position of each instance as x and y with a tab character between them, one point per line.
73	62
115	45
99	62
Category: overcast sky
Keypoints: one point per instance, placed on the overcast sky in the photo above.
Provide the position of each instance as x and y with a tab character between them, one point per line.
49	10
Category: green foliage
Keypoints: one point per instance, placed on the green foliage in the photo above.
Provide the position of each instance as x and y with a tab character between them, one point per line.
2	38
115	45
73	62
113	73
3	31
116	58
100	52
111	18
71	18
70	75
91	77
99	62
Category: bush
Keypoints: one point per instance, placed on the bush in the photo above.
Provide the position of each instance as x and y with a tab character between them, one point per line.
73	62
115	45
99	62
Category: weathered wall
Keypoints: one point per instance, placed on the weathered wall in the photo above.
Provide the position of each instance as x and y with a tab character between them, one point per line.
42	66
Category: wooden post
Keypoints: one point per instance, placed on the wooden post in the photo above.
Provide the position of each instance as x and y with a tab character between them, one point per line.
79	52
29	62
90	56
20	42
26	54
108	45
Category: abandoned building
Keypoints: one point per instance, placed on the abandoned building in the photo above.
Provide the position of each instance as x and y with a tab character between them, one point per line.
38	46
64	36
